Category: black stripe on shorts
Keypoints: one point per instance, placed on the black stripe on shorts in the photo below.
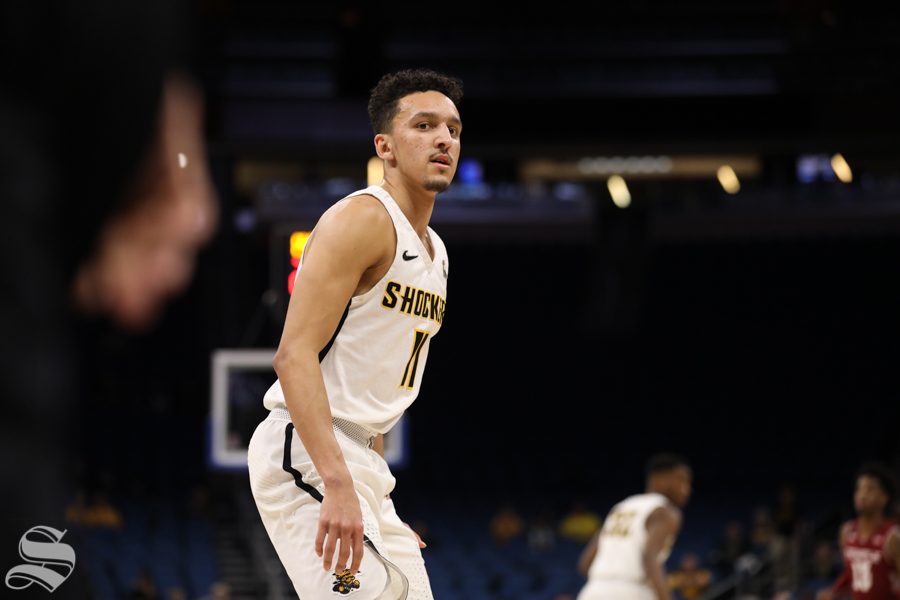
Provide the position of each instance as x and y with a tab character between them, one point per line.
298	478
286	465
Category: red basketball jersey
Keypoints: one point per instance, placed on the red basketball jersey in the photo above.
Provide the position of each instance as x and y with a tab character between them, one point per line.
867	572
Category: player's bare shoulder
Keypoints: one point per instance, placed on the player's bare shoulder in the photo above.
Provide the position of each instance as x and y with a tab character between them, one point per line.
844	532
363	211
360	204
363	226
667	517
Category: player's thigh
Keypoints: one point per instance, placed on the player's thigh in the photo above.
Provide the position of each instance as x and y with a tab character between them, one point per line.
402	548
289	506
294	535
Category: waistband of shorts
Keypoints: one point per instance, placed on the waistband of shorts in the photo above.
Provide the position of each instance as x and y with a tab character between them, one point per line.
616	581
354	431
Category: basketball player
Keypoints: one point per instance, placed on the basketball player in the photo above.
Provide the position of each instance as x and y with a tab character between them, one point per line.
625	559
870	543
368	298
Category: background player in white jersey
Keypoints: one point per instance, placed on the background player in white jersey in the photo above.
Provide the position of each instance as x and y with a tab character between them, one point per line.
368	298
625	559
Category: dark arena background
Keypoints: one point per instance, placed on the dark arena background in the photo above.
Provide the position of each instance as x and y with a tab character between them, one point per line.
675	227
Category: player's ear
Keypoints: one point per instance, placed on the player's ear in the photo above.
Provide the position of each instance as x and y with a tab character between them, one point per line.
384	146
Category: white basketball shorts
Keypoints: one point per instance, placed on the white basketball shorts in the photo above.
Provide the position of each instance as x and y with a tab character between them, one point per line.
288	493
615	590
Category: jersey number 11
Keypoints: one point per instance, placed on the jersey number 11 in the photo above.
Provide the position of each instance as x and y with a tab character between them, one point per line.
409	373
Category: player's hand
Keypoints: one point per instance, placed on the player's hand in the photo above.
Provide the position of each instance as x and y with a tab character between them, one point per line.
418	539
825	594
341	528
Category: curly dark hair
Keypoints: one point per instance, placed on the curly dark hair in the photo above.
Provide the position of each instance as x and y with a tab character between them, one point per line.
664	462
885	478
393	86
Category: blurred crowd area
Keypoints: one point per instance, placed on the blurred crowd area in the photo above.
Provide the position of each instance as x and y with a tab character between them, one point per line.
152	538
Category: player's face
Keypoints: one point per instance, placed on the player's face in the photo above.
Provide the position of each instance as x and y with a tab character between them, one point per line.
681	482
426	139
869	497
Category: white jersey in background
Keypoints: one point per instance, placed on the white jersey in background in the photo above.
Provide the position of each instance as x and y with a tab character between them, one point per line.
374	363
617	571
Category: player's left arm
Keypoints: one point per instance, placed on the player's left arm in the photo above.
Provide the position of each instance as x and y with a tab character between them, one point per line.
892	549
663	525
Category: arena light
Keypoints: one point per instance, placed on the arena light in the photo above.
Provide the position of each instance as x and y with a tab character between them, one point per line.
628	165
841	168
618	189
375	171
814	167
470	171
660	167
728	179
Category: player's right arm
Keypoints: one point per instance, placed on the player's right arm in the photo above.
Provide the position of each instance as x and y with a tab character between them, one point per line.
351	240
662	526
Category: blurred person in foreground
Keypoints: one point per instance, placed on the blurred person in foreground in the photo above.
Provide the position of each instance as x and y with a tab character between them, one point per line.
870	543
624	561
145	254
100	217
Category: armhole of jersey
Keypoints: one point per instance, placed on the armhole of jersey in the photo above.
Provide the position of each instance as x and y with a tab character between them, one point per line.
355	300
324	351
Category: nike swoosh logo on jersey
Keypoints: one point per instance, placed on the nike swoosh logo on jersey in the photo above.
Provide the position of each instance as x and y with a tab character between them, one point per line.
409	257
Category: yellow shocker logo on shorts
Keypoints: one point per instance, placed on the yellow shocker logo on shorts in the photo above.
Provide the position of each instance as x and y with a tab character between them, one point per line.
345	582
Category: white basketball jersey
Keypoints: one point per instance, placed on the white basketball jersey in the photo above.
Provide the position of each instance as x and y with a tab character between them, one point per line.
623	538
373	365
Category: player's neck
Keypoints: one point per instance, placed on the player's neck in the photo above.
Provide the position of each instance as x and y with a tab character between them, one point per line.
416	204
868	523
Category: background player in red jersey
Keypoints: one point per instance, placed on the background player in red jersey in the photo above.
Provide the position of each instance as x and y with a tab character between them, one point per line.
870	543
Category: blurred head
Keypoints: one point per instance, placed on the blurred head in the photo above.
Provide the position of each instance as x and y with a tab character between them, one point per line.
145	253
671	476
875	490
220	591
787	496
690	562
734	530
176	594
824	556
762	517
417	127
